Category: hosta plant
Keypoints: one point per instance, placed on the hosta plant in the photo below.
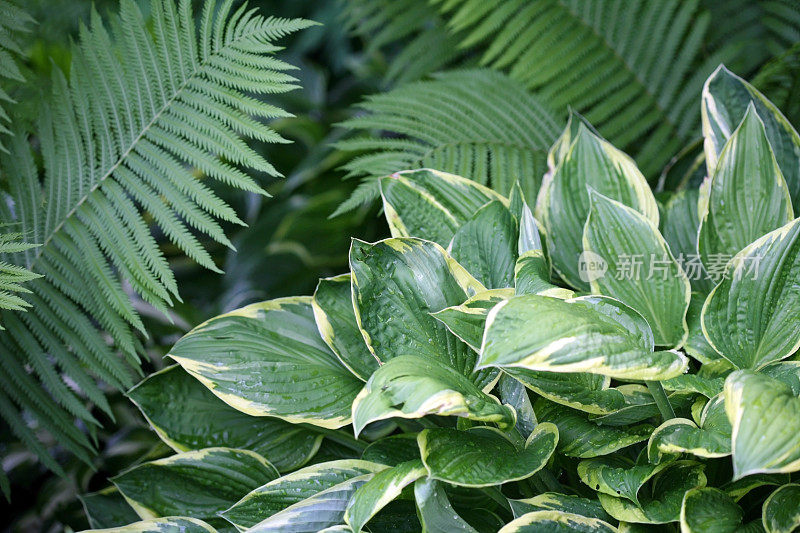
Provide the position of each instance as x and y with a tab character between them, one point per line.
609	363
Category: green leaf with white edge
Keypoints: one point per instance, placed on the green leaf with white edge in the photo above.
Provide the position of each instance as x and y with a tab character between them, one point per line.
187	416
710	510
107	508
324	509
679	224
376	493
697	344
680	435
750	318
580	437
484	456
553	501
435	510
529	238
293	488
170	524
556	522
725	100
639	405
786	371
392	450
708	387
532	276
661	504
563	205
576	335
486	245
513	393
741	487
583	391
765	416
561	147
267	359
747	196
199	483
618	475
781	512
397	284
336	322
468	320
430	204
413	387
659	290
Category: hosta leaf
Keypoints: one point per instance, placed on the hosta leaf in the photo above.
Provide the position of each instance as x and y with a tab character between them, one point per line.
171	524
322	510
708	387
556	522
583	391
747	196
267	359
513	393
107	508
393	450
468	320
397	283
782	510
571	336
435	511
786	371
680	222
680	435
696	343
483	456
741	487
486	245
430	204
617	475
376	493
293	488
580	437
563	203
187	416
552	501
709	510
750	318
412	387
765	416
726	98
200	483
657	288
639	405
529	238
532	276
336	322
664	505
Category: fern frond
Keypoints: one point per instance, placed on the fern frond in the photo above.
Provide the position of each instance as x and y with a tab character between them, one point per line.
14	21
144	120
476	123
13	276
779	80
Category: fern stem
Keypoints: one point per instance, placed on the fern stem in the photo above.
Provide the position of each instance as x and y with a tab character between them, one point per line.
655	388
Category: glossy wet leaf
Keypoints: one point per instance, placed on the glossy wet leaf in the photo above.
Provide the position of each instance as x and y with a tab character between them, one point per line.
392	450
435	510
750	318
413	387
642	272
679	435
267	359
781	512
277	495
709	510
583	391
697	344
553	501
187	416
336	322
468	320
617	475
172	524
532	276
483	456
513	393
765	415
556	522
199	483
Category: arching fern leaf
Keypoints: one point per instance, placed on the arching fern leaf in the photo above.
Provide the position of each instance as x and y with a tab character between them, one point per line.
143	119
476	123
13	22
12	276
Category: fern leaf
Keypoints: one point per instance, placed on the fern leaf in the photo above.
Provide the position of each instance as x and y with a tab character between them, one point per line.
13	23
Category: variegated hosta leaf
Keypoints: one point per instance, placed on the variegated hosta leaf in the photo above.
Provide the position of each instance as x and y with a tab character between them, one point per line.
661	504
747	196
392	450
618	475
529	238
679	435
171	524
552	501
513	393
107	508
412	387
293	488
435	511
563	202
267	359
556	522
376	493
430	204
483	456
679	224
580	437
468	320
751	317
336	322
639	405
532	276
397	284
696	342
583	391
741	487
782	510
199	483
709	510
765	416
642	271
486	245
322	510
188	417
726	98
786	371
708	387
579	335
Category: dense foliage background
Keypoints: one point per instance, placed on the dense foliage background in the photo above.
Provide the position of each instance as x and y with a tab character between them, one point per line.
481	89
